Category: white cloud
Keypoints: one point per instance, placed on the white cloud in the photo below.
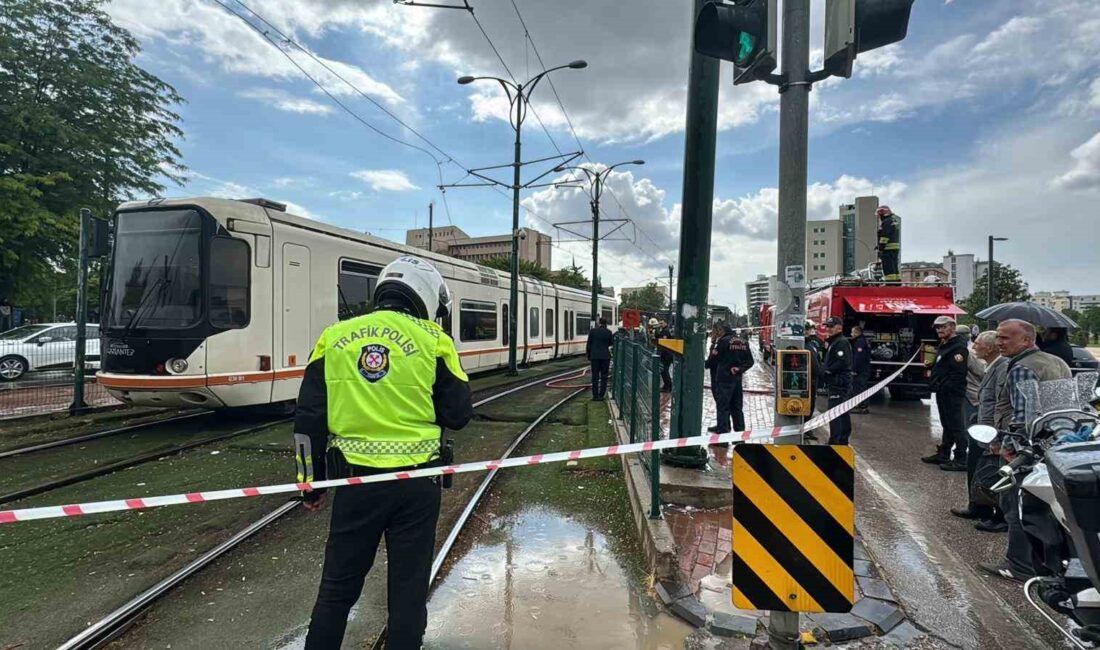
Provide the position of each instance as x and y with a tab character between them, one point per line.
1085	174
225	41
345	195
385	180
285	101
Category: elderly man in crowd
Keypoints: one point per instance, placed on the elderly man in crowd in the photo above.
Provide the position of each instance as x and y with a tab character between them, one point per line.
991	379
1016	341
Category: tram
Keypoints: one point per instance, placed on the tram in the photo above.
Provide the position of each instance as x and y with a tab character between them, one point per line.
217	302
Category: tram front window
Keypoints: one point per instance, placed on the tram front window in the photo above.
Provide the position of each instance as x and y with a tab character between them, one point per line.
156	280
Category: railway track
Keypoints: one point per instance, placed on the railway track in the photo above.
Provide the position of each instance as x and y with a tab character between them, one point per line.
64	442
115	623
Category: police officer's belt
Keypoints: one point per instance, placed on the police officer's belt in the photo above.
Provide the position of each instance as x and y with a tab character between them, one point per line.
384	448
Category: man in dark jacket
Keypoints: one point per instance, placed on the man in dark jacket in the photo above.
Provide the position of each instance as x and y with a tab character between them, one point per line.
730	364
666	358
838	379
861	366
949	383
1055	342
598	352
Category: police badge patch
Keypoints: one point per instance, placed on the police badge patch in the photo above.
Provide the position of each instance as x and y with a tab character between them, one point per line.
374	362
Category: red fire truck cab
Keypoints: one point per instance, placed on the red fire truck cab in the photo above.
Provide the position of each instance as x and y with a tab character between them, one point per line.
896	320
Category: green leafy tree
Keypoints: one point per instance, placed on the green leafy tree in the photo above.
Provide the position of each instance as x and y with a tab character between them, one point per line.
648	298
1089	323
81	125
571	276
1009	287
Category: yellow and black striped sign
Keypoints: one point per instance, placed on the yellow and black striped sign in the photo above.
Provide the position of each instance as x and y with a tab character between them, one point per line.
793	527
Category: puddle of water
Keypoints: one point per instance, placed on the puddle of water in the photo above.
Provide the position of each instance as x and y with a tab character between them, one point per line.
539	579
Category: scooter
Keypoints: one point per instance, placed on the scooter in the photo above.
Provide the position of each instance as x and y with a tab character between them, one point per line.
1057	461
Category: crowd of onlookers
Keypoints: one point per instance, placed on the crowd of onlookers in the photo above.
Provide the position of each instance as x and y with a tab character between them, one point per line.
977	379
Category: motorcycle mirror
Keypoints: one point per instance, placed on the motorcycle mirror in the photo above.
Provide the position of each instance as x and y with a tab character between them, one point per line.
982	433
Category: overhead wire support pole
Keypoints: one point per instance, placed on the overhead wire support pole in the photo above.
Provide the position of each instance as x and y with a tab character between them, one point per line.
518	97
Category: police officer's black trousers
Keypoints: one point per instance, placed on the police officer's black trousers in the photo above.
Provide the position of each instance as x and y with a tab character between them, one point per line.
950	406
600	369
666	375
890	265
729	400
406	513
840	428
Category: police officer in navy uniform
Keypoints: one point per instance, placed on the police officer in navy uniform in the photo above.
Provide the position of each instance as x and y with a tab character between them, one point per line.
861	366
730	365
949	383
376	395
838	379
597	349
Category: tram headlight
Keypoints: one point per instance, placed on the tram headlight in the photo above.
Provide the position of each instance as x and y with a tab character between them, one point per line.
176	366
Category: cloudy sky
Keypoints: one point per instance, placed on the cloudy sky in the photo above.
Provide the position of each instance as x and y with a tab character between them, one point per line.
985	120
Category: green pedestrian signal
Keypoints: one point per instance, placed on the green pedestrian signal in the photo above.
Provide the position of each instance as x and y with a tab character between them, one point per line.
743	33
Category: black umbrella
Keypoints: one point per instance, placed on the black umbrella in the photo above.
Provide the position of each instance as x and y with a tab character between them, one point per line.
1026	311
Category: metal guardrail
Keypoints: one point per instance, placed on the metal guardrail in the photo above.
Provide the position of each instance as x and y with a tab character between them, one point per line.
636	389
36	370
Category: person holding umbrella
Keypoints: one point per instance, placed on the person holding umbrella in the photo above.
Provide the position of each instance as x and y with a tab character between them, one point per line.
1055	342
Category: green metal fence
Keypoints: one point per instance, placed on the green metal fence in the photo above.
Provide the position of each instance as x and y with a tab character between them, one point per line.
636	389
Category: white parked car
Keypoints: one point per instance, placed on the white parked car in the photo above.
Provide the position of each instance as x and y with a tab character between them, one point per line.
46	346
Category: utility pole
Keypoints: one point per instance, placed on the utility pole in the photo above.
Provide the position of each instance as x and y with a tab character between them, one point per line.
694	274
78	405
794	106
671	306
431	226
595	203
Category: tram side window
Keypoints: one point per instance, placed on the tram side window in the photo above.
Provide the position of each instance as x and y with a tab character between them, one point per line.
533	323
477	321
355	288
230	263
504	324
549	322
584	323
605	313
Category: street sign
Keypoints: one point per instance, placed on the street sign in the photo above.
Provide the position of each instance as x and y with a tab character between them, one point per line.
793	527
631	318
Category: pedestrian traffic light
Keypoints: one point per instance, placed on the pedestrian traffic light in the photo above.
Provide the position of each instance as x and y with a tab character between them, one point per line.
743	33
854	26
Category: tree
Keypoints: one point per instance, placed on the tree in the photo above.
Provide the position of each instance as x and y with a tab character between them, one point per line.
571	276
648	298
1090	324
80	126
1009	287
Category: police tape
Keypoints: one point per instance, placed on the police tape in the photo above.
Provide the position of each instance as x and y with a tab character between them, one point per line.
749	435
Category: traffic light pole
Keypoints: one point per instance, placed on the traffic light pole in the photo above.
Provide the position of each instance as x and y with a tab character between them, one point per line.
694	272
794	104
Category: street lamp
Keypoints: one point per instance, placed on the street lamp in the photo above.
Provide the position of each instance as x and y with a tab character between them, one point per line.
518	99
991	273
597	180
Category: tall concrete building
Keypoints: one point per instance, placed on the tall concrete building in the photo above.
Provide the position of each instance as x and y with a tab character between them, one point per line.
534	246
1056	300
757	294
961	273
845	245
918	272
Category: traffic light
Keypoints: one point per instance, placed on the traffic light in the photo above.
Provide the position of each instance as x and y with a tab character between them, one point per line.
854	26
743	32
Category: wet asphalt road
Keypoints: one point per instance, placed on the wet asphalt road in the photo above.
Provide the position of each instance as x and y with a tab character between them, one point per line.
929	556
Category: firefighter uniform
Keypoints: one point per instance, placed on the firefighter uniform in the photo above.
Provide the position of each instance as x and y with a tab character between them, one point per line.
889	246
376	394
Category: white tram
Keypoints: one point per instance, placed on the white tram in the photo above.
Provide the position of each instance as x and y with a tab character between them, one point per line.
218	303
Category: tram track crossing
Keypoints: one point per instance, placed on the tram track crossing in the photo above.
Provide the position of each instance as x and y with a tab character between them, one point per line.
118	621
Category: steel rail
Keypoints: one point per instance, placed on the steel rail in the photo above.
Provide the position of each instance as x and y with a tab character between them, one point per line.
115	623
130	462
95	436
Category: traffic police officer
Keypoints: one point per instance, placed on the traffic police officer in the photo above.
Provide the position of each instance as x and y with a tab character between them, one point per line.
889	243
376	394
949	383
838	378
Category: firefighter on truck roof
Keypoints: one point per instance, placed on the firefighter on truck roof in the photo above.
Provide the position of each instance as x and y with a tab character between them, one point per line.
889	243
376	394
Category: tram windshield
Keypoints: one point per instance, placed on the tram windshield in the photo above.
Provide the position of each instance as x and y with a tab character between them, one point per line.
156	280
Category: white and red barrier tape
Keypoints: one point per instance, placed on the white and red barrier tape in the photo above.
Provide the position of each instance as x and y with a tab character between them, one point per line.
751	435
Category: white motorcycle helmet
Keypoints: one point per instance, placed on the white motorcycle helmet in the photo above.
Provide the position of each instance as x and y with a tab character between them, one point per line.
416	282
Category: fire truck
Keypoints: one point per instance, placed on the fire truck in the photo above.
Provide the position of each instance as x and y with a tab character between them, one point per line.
896	319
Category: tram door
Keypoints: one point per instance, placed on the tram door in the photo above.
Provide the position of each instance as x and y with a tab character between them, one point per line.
297	331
